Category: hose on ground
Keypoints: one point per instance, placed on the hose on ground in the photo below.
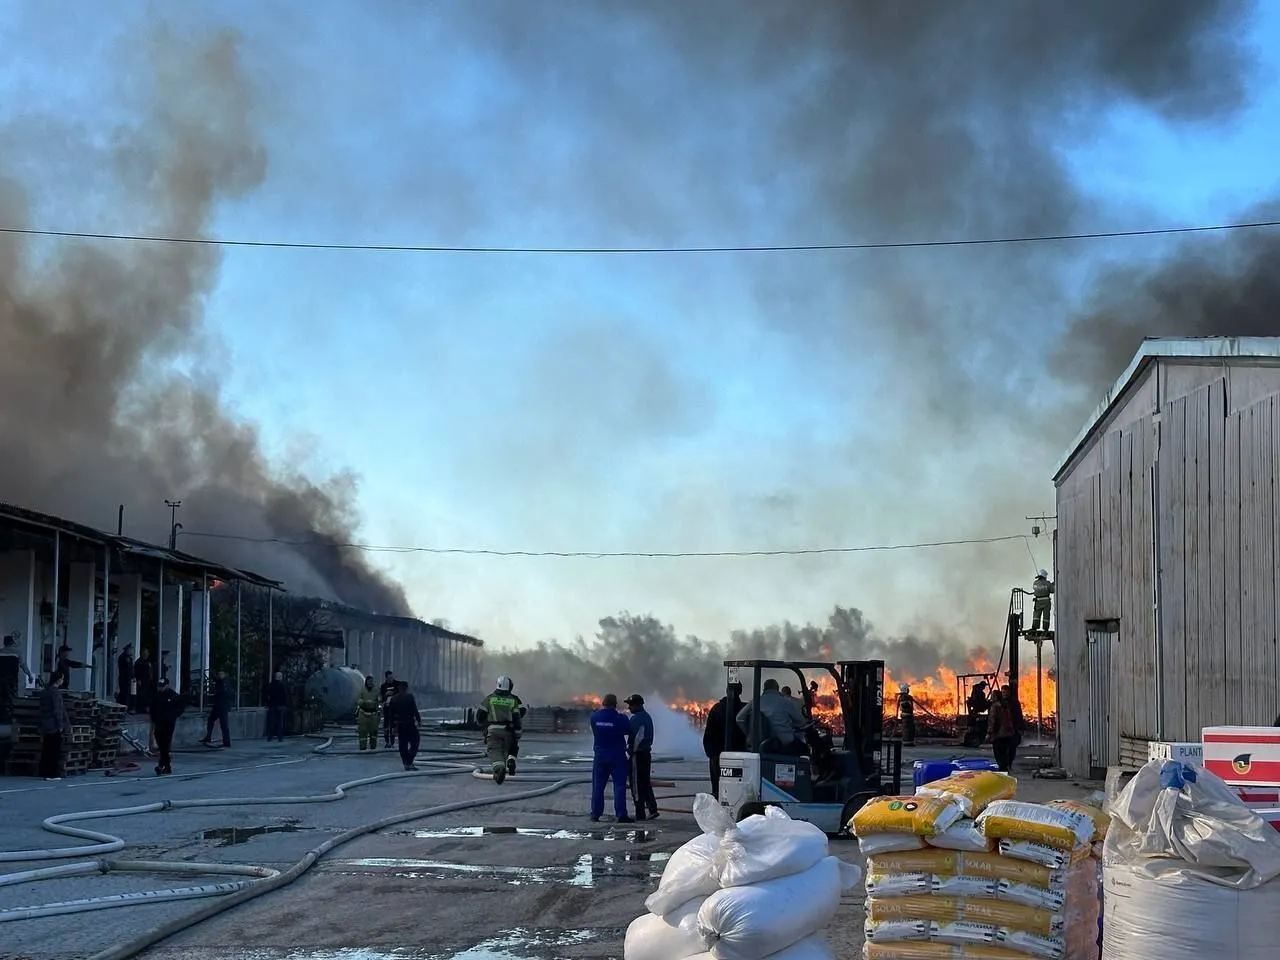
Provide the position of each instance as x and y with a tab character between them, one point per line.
133	947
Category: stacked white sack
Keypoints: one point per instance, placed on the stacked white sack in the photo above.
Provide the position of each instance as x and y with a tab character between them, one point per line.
1189	871
763	889
930	896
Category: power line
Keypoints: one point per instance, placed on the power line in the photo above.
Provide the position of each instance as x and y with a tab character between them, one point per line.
596	251
603	554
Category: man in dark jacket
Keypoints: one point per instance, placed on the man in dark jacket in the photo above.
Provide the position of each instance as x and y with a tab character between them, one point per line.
144	672
65	665
609	729
219	710
124	678
386	692
53	726
277	703
404	712
640	748
719	719
166	708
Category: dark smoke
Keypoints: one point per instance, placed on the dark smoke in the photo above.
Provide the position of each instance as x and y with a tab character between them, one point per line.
105	395
640	653
1229	287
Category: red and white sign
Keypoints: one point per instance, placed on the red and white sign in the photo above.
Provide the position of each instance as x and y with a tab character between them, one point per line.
1243	756
1258	798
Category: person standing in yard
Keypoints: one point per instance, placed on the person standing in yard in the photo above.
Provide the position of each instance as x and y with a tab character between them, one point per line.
386	692
404	712
1006	727
166	708
219	710
53	726
640	747
277	704
368	706
610	729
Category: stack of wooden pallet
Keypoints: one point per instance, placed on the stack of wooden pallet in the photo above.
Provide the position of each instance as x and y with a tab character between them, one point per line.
106	740
91	723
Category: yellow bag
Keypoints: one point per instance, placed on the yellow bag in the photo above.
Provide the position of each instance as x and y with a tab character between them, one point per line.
949	863
936	951
922	816
1101	822
974	789
1036	823
995	913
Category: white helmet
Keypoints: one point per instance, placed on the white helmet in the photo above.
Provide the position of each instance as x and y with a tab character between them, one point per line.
504	684
1042	574
904	687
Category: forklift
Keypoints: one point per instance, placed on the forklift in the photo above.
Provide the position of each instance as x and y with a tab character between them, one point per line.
831	781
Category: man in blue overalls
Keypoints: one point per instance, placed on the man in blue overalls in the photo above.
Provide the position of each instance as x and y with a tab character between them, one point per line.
610	730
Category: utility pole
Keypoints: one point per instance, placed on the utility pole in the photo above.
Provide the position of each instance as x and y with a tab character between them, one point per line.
174	525
1036	529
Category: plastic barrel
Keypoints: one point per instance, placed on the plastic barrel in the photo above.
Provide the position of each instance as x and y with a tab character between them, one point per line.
976	763
927	771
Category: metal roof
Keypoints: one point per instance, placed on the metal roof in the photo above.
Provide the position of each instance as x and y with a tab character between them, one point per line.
356	613
128	546
1153	348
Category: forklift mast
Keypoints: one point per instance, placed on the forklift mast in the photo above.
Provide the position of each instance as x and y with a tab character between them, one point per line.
862	690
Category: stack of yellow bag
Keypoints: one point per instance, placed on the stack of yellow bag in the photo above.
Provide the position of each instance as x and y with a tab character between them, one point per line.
962	871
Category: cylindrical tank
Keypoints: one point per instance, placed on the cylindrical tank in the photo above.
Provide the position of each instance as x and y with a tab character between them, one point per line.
337	689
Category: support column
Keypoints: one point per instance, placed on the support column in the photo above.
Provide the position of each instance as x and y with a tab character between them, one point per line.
18	607
129	616
81	594
199	655
171	635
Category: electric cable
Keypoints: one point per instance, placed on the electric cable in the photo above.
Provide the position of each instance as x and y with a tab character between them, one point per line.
601	250
606	554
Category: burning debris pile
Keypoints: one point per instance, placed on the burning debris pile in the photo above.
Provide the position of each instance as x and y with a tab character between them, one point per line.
639	653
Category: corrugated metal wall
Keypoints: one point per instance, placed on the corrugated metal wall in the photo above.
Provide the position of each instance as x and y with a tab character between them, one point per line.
1105	566
1219	527
441	671
1218	512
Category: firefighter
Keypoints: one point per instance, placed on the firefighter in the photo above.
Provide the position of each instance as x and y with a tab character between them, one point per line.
499	714
907	714
978	705
385	693
367	706
1041	601
515	742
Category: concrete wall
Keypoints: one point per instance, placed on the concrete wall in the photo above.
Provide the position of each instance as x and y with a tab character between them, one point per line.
249	723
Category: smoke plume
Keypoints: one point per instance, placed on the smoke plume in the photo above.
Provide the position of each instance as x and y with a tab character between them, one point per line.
106	393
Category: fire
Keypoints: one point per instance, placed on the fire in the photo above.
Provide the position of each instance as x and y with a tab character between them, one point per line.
939	699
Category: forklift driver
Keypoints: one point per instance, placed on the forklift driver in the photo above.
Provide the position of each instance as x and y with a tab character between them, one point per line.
783	720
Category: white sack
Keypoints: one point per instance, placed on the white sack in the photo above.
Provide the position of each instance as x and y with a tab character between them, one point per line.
673	937
1189	871
961	835
810	948
687	876
1160	910
753	922
762	847
1173	812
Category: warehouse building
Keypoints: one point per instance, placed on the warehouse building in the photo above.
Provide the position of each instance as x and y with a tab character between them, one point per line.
1168	523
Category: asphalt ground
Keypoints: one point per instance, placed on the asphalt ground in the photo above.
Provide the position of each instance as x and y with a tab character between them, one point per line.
526	880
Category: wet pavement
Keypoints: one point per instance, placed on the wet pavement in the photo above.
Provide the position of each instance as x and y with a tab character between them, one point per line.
527	880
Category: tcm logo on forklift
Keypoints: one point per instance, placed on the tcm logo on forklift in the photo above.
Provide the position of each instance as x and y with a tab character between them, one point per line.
732	772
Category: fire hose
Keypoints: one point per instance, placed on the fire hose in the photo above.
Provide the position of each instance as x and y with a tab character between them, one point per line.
262	880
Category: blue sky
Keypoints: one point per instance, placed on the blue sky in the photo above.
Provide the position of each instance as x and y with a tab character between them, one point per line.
628	403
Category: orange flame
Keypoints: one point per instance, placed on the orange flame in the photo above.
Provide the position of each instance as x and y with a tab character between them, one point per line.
938	698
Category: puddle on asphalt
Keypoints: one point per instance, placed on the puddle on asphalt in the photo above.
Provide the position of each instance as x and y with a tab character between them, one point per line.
229	836
627	836
587	870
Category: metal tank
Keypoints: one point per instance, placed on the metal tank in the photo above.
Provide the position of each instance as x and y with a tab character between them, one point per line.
337	689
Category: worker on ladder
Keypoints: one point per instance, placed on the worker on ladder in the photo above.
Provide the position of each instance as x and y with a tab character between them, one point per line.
1041	602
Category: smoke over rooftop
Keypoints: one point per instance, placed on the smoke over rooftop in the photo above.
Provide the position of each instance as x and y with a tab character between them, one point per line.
108	377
